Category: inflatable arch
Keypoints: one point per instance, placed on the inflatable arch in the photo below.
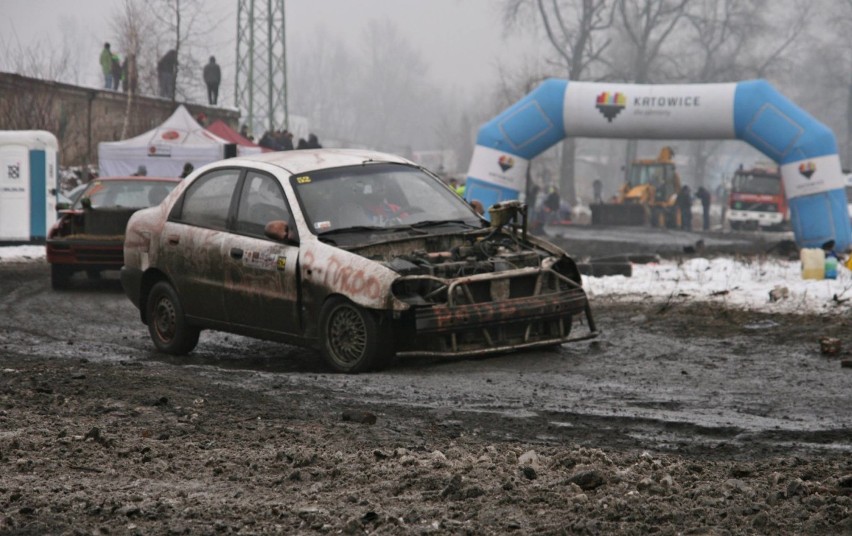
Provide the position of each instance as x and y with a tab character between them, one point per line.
752	111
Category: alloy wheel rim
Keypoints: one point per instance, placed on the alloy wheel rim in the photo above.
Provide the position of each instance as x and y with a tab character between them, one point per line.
347	337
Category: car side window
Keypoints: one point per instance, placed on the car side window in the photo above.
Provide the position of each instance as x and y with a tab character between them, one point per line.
261	201
207	201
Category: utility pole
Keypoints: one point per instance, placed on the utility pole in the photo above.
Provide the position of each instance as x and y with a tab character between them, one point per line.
261	81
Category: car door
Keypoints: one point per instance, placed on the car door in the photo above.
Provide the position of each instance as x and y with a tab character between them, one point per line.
193	243
261	289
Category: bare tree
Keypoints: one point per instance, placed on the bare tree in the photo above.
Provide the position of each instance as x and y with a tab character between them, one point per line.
732	40
134	28
25	108
188	27
576	29
45	60
828	68
645	27
375	95
316	80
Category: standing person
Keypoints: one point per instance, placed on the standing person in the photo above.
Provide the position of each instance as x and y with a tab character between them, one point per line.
106	66
684	203
535	216
704	195
115	66
288	140
212	77
453	183
597	189
188	168
166	69
551	205
313	142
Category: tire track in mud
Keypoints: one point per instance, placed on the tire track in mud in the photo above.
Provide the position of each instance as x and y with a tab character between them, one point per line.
92	319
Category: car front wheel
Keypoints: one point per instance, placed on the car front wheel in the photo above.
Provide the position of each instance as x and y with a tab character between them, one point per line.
166	322
352	338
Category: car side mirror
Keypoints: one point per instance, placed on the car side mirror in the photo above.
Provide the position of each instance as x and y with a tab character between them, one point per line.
278	230
86	202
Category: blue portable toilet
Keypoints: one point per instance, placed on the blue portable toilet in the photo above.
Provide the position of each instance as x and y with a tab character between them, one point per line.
28	183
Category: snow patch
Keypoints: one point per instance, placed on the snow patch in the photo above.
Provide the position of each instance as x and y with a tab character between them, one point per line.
742	284
22	253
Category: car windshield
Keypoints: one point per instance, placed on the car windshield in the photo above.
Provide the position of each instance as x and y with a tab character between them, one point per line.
125	193
757	184
375	197
654	174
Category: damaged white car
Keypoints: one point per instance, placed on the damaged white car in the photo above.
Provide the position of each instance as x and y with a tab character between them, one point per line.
361	255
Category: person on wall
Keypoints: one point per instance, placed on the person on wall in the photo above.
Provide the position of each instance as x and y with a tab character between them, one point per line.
115	66
106	66
212	78
166	74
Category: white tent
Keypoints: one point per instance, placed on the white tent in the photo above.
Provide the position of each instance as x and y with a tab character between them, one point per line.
164	150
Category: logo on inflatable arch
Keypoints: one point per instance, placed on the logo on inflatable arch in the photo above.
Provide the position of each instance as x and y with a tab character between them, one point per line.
610	104
506	162
807	169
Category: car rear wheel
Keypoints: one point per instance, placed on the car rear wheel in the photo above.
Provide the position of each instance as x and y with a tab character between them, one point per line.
167	323
352	339
60	276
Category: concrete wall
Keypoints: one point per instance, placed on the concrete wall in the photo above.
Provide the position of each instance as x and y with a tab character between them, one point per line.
81	117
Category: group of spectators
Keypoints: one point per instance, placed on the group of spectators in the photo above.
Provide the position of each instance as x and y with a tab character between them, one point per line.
117	72
282	140
684	203
126	74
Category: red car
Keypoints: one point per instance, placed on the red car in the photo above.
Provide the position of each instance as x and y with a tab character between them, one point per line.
89	235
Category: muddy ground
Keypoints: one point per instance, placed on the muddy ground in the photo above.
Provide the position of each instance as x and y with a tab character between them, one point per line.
680	419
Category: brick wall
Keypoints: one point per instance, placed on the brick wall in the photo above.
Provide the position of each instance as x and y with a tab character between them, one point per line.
81	117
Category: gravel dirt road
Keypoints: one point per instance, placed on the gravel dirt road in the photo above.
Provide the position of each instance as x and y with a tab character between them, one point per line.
680	419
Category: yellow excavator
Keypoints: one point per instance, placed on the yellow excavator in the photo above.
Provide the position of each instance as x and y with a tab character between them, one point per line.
648	196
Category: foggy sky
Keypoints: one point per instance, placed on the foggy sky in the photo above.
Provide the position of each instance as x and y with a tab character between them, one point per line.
462	41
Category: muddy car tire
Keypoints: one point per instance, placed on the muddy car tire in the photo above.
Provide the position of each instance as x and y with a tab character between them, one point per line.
352	339
60	277
167	323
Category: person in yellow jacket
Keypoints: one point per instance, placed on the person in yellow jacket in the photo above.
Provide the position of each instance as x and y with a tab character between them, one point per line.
456	187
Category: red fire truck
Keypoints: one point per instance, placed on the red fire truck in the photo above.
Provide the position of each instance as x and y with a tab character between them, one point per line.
757	200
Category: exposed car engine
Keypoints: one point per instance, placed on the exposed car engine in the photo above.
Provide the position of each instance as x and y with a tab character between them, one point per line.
478	257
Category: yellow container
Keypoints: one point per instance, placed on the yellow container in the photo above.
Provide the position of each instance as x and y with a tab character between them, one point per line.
813	263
